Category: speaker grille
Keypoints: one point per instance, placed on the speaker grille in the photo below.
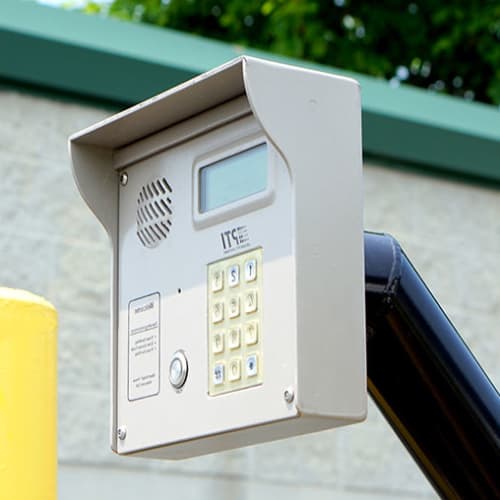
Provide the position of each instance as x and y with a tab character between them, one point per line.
154	212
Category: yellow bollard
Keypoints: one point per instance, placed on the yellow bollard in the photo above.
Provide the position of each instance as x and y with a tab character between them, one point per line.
28	397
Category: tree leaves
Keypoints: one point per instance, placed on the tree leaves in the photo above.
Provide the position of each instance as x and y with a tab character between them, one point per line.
451	47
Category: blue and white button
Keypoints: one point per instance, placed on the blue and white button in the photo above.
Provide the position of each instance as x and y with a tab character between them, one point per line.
251	365
250	270
233	275
219	374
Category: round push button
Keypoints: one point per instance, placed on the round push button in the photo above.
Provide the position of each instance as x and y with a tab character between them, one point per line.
178	369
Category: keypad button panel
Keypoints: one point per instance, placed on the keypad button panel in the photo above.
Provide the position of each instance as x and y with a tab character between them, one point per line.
234	288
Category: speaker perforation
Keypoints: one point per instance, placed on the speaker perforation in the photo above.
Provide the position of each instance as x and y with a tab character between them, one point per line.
154	212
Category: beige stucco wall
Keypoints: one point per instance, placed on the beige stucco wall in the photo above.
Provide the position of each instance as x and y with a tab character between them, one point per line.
51	244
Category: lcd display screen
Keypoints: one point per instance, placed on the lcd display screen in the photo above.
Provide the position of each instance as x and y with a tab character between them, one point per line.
233	178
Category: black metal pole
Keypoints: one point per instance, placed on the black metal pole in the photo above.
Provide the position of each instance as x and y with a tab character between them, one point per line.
425	380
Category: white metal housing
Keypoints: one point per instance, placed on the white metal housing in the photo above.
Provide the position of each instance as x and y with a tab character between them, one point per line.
308	223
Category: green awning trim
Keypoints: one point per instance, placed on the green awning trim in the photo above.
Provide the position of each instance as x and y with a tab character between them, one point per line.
124	63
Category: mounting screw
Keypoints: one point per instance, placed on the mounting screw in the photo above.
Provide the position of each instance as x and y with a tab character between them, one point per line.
289	395
121	432
123	178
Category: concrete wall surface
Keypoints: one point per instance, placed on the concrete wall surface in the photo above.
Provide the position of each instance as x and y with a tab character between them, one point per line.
52	245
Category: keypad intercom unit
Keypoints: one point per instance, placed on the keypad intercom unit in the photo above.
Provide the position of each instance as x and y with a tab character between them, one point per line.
234	207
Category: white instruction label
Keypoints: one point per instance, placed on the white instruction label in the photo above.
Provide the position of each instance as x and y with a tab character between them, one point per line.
144	347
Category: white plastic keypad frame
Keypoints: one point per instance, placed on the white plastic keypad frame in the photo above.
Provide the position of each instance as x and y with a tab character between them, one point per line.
235	337
308	223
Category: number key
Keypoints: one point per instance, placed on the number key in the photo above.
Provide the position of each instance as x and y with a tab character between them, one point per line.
251	301
218	343
234	370
217	281
234	338
234	307
250	270
251	333
233	275
218	312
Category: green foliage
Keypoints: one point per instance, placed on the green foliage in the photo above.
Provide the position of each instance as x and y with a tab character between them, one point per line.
451	47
